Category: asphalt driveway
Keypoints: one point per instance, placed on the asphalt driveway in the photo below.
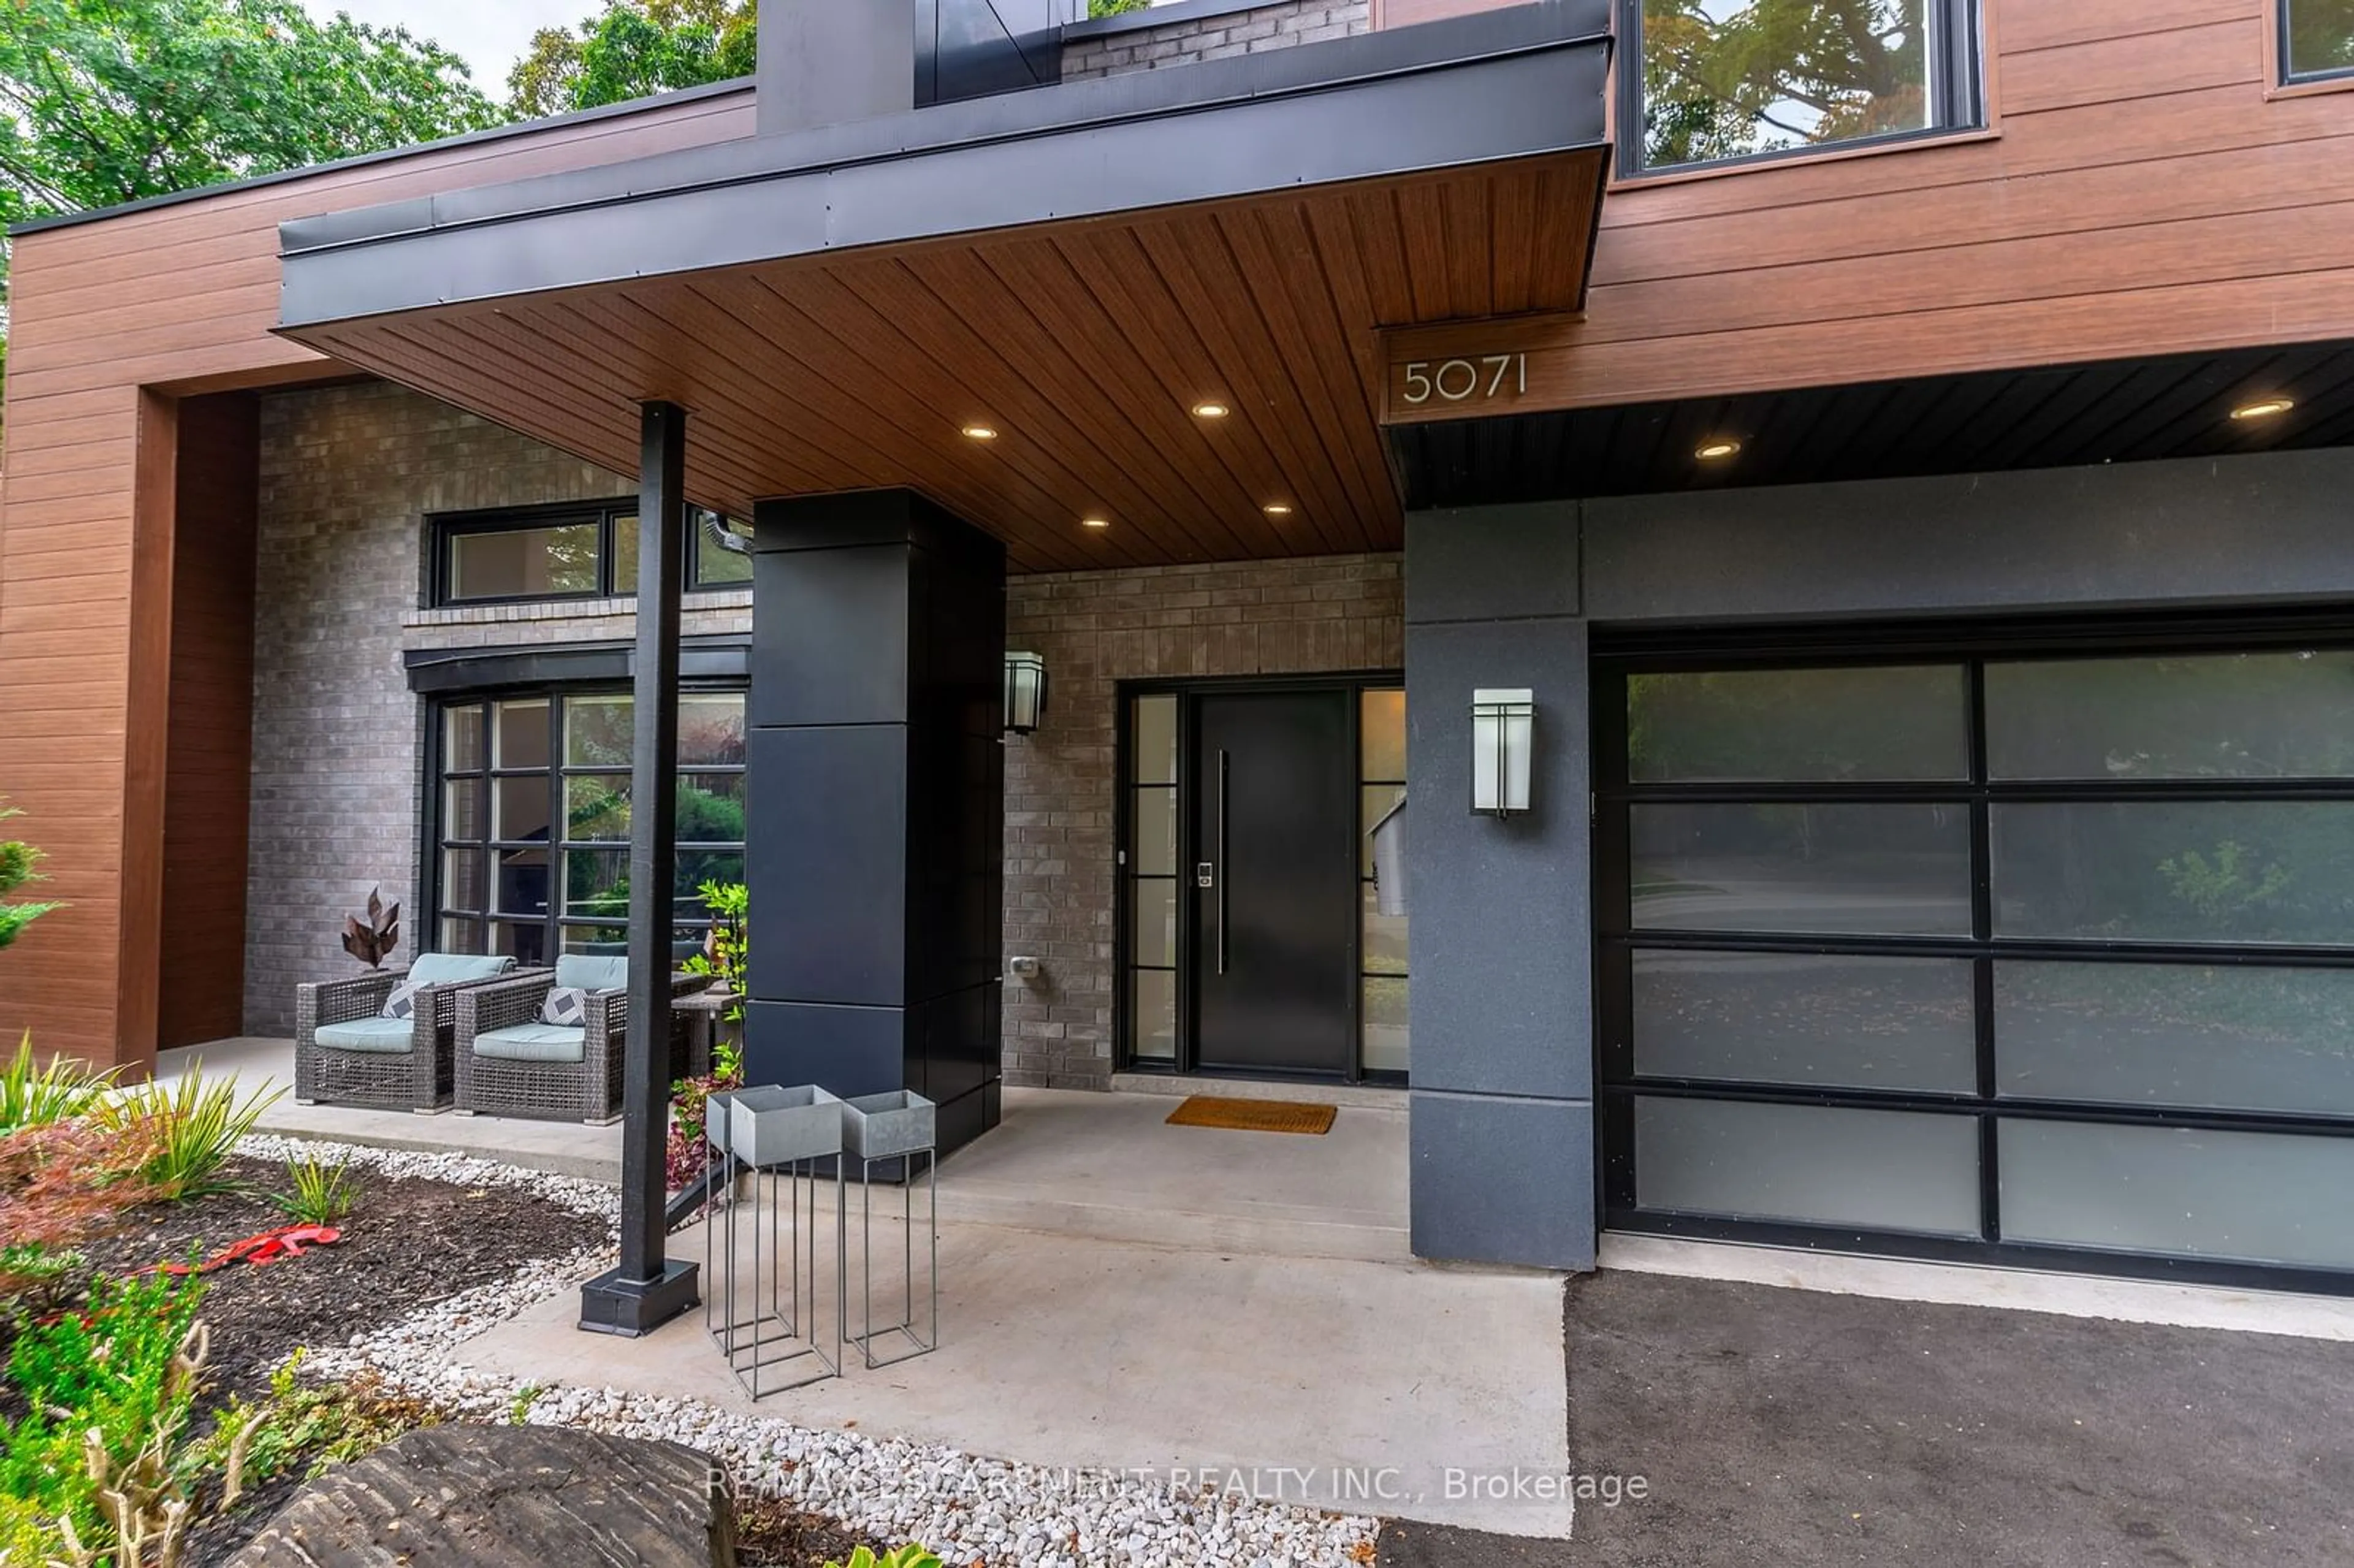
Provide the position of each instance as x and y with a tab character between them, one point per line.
1792	1428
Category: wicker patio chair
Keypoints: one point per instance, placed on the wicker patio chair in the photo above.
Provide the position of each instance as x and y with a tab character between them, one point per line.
346	1052
511	1063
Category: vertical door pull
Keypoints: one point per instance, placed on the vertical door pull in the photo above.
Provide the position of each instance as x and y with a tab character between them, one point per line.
1222	856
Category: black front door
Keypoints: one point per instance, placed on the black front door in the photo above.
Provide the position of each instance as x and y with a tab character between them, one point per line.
1275	882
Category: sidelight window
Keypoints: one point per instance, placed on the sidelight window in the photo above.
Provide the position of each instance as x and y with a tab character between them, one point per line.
1716	81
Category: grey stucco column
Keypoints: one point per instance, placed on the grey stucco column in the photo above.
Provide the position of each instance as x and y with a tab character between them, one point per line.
1500	911
877	805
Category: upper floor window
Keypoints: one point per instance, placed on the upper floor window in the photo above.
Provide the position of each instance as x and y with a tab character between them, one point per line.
1714	81
2316	38
573	551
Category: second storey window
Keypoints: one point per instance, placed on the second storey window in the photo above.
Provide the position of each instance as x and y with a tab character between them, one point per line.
2316	38
1714	81
574	551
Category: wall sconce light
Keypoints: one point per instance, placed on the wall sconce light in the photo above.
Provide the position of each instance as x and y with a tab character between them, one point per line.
1503	735
1025	691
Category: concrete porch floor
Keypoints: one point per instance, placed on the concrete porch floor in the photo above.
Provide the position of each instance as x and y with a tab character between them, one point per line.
1119	1293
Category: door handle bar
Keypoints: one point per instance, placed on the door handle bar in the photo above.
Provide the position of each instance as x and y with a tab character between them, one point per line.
1226	869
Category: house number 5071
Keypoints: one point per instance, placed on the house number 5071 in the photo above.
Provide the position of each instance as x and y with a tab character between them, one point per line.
1460	380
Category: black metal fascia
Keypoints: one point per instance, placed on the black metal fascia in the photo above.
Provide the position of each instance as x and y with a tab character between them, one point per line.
1517	82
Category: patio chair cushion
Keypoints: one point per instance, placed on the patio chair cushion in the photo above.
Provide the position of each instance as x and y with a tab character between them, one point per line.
567	1005
401	1003
451	968
385	1037
587	971
533	1042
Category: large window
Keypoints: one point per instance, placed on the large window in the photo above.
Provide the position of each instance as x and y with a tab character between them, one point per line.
1713	81
568	552
2316	39
532	829
2043	954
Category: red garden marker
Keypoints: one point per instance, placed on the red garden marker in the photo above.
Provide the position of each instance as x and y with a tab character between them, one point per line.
288	1241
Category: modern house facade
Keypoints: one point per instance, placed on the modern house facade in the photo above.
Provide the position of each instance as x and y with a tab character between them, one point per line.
1775	664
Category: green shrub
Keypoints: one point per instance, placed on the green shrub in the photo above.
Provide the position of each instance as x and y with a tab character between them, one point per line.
107	1392
301	1426
908	1556
17	860
63	1183
35	1096
320	1194
196	1127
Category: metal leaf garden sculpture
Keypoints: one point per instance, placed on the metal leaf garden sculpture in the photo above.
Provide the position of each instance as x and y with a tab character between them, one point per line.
372	940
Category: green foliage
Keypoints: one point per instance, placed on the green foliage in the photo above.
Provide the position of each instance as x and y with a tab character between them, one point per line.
111	101
1115	7
1720	81
197	1125
320	1194
636	48
121	1377
16	859
2224	887
908	1556
729	948
300	1426
35	1096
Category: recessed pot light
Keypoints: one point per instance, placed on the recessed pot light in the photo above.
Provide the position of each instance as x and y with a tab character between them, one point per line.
1717	450
2264	407
1094	522
1278	509
981	432
1210	410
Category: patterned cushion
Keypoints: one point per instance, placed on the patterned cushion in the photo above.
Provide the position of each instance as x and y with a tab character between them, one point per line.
402	1003
567	1006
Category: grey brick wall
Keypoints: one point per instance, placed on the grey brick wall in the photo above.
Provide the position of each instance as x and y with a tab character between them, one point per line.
1216	38
1095	630
348	475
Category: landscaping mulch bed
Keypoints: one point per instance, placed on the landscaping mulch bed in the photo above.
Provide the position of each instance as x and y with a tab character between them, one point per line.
773	1534
406	1244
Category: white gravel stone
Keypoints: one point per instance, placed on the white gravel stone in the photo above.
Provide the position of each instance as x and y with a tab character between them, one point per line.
967	1508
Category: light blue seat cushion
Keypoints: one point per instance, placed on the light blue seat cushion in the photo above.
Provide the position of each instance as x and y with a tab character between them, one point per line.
533	1042
385	1037
445	968
590	972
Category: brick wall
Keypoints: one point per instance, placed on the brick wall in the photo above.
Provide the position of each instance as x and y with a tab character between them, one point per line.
348	475
1216	38
1095	630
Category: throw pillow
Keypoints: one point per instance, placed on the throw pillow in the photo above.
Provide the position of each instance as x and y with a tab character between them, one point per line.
567	1005
402	1003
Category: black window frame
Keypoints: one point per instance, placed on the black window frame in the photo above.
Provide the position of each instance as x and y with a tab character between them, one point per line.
1616	937
436	842
445	527
2286	73
1956	91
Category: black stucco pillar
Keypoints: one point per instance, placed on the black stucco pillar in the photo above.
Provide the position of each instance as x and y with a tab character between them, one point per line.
877	797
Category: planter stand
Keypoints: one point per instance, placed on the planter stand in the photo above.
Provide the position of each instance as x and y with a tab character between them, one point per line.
898	1127
782	1140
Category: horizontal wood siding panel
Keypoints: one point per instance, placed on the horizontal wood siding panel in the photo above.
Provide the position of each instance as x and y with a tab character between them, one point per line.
179	296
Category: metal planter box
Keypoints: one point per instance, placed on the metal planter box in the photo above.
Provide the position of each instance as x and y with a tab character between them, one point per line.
885	1126
772	1126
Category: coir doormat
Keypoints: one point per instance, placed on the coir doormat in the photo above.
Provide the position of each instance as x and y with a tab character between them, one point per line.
1252	1116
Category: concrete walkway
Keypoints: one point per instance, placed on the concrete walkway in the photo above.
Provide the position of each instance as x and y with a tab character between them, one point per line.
1239	1307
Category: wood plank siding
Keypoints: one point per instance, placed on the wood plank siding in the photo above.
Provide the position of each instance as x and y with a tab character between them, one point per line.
111	324
2140	192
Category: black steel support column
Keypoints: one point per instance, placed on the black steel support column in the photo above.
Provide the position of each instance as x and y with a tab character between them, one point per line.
647	1291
